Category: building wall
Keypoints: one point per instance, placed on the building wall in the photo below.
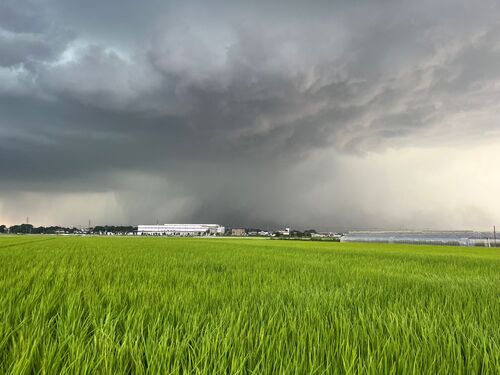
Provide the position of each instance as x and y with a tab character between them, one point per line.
238	232
181	229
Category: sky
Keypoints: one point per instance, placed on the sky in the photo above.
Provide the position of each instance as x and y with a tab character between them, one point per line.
333	115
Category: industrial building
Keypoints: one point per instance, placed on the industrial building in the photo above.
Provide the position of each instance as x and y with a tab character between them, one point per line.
181	230
238	232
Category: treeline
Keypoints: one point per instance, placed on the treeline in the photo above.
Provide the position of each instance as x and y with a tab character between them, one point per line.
297	233
114	229
30	229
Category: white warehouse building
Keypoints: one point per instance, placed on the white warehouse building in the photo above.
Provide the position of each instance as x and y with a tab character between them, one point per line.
180	230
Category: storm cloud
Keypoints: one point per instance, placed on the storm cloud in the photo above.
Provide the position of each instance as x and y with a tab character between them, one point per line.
334	115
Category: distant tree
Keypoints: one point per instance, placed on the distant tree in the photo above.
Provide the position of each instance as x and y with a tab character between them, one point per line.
309	232
30	229
296	233
114	229
21	229
53	230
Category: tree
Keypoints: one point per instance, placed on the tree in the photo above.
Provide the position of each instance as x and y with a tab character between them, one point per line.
296	233
3	229
21	229
309	232
114	229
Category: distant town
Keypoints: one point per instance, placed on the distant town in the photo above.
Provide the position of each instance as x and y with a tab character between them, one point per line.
451	238
178	230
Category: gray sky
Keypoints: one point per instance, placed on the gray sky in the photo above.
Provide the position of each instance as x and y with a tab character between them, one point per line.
327	114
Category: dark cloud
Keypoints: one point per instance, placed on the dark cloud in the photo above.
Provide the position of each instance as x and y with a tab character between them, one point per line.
22	17
28	36
217	111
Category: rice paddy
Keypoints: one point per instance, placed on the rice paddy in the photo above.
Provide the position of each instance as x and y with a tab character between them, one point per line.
174	306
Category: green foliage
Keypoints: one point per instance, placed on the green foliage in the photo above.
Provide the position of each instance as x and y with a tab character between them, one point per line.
158	305
114	228
30	229
21	229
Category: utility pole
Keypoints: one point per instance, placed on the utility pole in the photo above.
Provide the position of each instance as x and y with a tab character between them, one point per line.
495	236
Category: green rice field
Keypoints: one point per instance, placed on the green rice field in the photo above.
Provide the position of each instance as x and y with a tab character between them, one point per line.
114	305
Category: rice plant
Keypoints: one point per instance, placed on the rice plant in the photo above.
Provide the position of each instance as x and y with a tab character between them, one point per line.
171	306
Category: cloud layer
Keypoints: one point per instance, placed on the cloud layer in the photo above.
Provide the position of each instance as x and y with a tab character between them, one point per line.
271	113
